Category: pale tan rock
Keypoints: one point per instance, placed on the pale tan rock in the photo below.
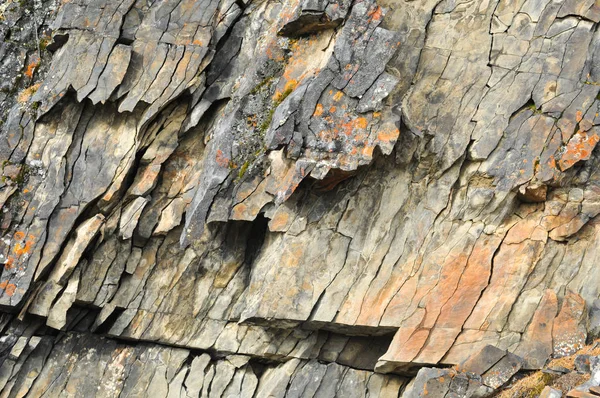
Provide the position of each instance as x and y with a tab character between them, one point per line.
170	216
130	216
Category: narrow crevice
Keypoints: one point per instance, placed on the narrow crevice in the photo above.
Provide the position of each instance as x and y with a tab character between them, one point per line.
256	237
109	322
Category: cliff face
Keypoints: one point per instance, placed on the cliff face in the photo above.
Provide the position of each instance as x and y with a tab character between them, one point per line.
299	198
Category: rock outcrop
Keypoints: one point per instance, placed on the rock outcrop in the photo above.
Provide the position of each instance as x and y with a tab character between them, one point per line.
299	198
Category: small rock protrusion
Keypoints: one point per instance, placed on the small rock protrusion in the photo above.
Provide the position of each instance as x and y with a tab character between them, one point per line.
445	383
533	193
482	361
495	366
594	319
549	392
579	394
582	363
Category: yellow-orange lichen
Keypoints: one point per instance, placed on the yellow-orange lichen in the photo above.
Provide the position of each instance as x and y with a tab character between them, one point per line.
361	123
19	249
579	148
26	94
376	14
31	68
287	89
318	110
9	288
388	135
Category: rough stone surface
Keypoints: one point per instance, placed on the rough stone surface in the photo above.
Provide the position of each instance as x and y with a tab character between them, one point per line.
299	198
549	392
88	365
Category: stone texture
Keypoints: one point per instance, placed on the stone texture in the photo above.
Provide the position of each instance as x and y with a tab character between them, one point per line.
89	365
495	366
431	382
549	392
295	198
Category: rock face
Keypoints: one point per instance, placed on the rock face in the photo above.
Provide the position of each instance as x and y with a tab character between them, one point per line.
299	198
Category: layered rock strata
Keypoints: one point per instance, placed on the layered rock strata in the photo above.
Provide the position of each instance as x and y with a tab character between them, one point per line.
229	198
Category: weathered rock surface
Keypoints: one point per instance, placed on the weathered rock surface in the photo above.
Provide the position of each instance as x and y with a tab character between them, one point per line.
300	198
87	365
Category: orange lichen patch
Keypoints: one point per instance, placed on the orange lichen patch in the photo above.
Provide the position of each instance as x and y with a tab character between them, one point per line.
375	14
26	94
388	135
9	288
578	116
252	121
19	248
290	85
197	42
580	147
332	109
368	151
31	68
287	89
318	110
549	168
221	159
361	123
354	128
338	96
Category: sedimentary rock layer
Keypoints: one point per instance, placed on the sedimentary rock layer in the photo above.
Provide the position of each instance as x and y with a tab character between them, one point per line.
213	197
